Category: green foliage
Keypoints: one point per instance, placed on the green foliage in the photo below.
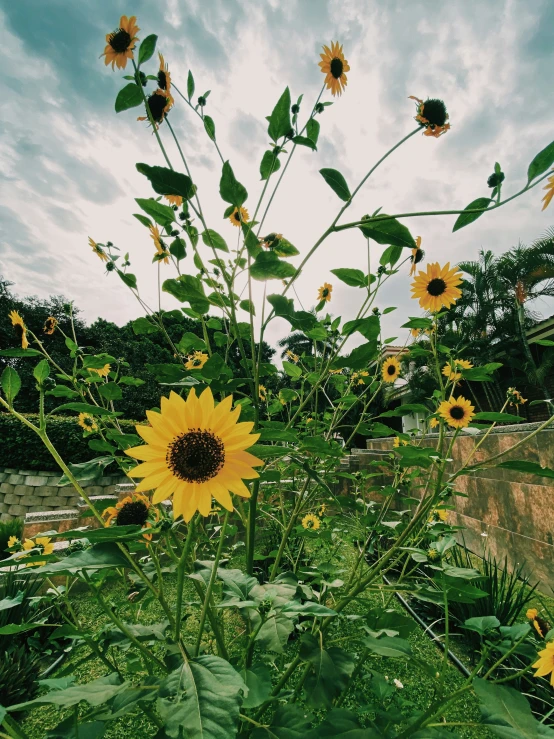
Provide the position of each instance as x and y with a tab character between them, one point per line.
8	529
19	671
336	182
128	97
464	219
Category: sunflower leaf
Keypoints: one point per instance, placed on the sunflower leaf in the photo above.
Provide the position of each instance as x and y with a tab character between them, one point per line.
391	255
11	384
129	279
352	277
129	96
270	163
188	289
541	162
190	85
279	121
213	239
178	249
162	214
268	266
86	470
166	181
248	306
93	410
17	352
209	126
147	48
464	219
251	241
230	188
336	182
312	130
386	230
304	141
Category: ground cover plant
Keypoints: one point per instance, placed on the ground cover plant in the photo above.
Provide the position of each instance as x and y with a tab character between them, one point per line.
251	640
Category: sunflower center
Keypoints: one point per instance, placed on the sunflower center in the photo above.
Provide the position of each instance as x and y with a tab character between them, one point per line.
19	330
196	456
157	104
457	412
435	112
336	67
132	513
436	287
325	292
236	216
391	369
120	40
162	79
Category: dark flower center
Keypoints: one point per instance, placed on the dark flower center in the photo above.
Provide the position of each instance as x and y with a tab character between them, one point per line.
132	513
88	421
162	79
196	456
120	40
457	412
336	68
435	112
236	216
417	255
436	287
324	292
19	331
157	104
391	369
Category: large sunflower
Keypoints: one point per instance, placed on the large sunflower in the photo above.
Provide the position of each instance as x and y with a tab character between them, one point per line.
545	664
390	370
121	42
238	216
20	328
457	412
195	450
334	65
432	115
437	288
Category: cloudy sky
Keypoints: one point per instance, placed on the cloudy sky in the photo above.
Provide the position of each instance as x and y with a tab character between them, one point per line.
67	160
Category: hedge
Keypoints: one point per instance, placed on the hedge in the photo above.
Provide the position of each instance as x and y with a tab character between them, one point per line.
21	448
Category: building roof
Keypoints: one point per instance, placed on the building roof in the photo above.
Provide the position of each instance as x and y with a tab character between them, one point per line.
542	330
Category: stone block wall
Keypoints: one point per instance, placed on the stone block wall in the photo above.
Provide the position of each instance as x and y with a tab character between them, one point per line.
23	492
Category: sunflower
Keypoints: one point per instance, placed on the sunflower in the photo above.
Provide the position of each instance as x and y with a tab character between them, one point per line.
515	397
271	241
417	255
134	509
292	356
334	66
451	374
101	371
13	541
262	392
195	450
358	377
50	325
159	104
437	288
87	422
324	292
531	613
238	216
438	515
121	42
174	200
399	442
97	249
545	663
432	115
196	360
434	422
164	76
20	328
549	192
415	332
390	370
463	364
323	509
42	543
457	412
311	522
161	251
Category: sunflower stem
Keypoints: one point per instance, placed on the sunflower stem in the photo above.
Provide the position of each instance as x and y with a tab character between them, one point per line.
181	575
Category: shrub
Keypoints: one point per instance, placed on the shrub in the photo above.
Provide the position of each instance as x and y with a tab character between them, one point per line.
7	529
19	670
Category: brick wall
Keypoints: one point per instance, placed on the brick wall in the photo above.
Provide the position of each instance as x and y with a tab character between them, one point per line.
23	492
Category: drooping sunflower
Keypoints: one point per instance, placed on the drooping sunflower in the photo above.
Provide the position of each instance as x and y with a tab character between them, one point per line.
164	75
311	522
398	442
358	377
195	450
121	42
417	256
292	356
457	412
451	374
262	392
549	192
50	325
437	287
463	364
134	509
159	104
161	250
238	216
196	361
324	292
334	66
87	422
390	370
101	371
174	200
434	422
545	663
42	543
97	249
14	541
432	116
19	328
515	397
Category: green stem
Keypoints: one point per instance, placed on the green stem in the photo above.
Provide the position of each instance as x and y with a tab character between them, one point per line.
181	575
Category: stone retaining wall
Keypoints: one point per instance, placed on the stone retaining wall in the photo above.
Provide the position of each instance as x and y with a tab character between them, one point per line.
23	492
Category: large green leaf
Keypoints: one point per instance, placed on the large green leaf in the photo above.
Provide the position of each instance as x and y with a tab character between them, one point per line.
190	85
41	371
97	557
336	182
342	724
11	384
388	231
230	188
304	141
388	646
17	600
213	239
464	219
209	127
147	48
258	682
201	700
275	632
331	671
162	214
142	326
110	391
128	97
352	277
282	306
312	130
189	289
359	357
93	410
390	255
166	181
531	468
405	410
17	352
541	162
289	722
292	370
497	417
279	121
86	471
505	711
268	266
270	163
368	327
95	693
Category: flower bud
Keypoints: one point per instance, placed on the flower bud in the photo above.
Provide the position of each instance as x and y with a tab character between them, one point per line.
496	179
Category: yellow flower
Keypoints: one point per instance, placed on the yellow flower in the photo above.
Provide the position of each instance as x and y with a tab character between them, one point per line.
311	522
238	216
121	42
335	372
160	246
101	371
438	514
390	369
97	249
50	325
463	364
134	509
545	664
549	192
415	332
357	377
174	200
457	412
417	256
515	397
434	422
323	509
196	361
12	541
292	356
164	79
531	613
262	392
399	442
159	104
87	422
324	293
43	544
195	450
20	328
450	374
309	420
334	66
437	288
432	115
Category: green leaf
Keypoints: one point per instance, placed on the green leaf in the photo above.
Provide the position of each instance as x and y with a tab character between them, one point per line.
336	182
213	239
178	249
352	277
464	219
258	681
12	629
288	722
204	695
41	371
421	323
283	307
283	248
268	266
11	384
278	435
190	85
292	370
99	556
275	632
143	219
318	445
7	603
505	711
95	693
166	181
62	391
93	410
391	255
279	121
309	608
368	327
312	130
248	306
86	471
389	231
270	163
162	214
342	723
541	162
482	624
251	240
128	97
405	410
17	352
110	391
129	279
230	188
214	367
191	342
359	357
209	127
388	646
497	417
304	141
187	288
331	670
530	468
147	48
143	327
